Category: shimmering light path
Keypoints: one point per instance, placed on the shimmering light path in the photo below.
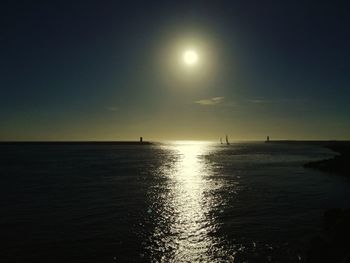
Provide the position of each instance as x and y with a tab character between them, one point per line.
185	228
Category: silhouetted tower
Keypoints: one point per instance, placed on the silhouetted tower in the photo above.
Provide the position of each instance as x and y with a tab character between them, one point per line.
141	139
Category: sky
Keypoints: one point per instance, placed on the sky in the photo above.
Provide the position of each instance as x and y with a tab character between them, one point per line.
111	70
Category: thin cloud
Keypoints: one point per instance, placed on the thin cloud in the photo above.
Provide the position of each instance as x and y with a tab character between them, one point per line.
112	108
210	102
265	101
261	101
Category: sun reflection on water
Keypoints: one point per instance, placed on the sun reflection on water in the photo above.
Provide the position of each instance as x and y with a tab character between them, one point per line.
183	204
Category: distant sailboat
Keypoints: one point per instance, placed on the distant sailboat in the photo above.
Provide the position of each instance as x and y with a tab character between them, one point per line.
227	140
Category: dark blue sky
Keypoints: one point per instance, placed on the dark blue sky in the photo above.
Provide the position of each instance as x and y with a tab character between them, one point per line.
94	70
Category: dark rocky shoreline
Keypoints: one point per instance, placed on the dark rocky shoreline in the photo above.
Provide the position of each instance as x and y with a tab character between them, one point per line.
333	244
339	164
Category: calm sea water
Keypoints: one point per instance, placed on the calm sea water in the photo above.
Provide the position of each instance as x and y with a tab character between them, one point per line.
170	202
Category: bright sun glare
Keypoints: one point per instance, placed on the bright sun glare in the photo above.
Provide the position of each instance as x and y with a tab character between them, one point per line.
190	57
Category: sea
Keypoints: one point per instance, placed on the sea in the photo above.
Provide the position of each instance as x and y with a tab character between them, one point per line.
178	201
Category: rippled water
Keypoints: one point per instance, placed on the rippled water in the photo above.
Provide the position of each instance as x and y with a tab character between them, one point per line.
169	202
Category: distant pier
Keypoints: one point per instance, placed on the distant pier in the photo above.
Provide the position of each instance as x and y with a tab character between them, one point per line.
140	142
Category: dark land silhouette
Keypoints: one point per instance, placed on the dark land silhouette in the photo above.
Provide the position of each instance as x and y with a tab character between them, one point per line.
339	164
77	142
332	244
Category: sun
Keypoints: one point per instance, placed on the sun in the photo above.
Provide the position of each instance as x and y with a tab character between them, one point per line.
190	57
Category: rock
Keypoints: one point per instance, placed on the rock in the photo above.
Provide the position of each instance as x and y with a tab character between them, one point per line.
334	244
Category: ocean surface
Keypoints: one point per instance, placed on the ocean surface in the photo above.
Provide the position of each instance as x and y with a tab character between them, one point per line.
167	202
